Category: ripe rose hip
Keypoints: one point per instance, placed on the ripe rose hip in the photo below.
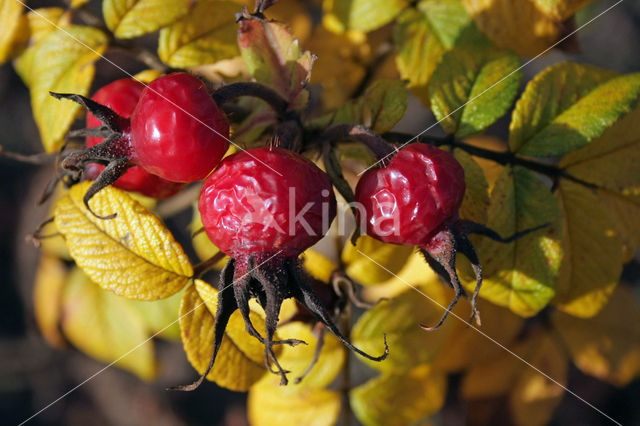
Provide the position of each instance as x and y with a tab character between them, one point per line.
122	97
177	130
405	201
414	200
264	207
249	203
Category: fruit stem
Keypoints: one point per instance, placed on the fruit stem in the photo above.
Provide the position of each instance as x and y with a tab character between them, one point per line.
232	91
345	132
500	157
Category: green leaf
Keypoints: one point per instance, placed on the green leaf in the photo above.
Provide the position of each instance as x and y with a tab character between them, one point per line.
521	275
273	56
548	95
360	15
380	108
398	318
472	87
204	36
446	18
476	196
105	327
133	254
592	261
133	18
399	398
587	119
61	62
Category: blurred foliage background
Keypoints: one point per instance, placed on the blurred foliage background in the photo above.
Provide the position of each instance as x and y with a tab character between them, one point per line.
33	374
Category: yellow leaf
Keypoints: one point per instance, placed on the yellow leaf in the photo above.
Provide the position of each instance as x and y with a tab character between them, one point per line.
359	15
520	275
45	20
339	67
416	272
399	398
295	13
78	3
476	197
277	406
105	327
548	95
610	162
203	246
318	265
560	9
13	25
606	346
204	36
160	316
297	358
591	264
147	76
399	318
532	397
361	268
465	345
517	25
47	298
133	255
418	51
133	18
240	360
61	62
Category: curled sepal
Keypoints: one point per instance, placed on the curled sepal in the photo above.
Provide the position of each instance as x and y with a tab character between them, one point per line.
440	252
114	152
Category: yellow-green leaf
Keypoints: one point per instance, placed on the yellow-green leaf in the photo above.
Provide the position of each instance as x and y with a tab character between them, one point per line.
472	87
273	56
409	345
160	316
399	398
418	51
516	25
610	162
61	62
521	275
204	36
592	261
13	25
361	268
240	360
561	9
548	95
50	279
133	255
296	359
105	327
359	15
133	18
476	197
587	119
532	397
380	108
277	406
447	19
606	346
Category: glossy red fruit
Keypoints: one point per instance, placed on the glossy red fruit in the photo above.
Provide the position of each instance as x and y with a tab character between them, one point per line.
416	192
122	96
265	200
177	130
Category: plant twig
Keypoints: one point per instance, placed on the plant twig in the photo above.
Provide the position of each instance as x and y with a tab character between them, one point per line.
233	91
352	132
